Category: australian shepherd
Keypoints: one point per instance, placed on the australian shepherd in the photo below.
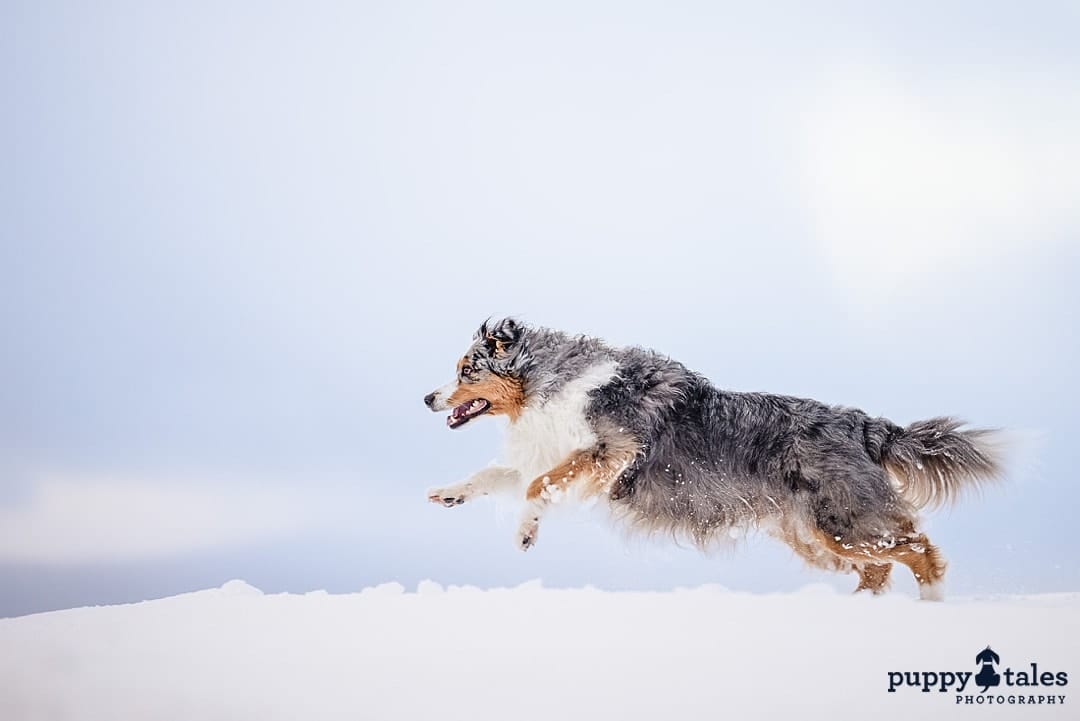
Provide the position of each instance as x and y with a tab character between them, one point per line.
668	451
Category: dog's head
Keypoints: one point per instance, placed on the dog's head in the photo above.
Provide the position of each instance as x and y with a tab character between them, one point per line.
488	379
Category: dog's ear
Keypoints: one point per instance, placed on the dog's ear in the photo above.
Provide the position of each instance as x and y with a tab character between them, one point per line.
500	337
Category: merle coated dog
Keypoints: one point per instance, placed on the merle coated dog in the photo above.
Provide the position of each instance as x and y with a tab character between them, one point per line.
668	451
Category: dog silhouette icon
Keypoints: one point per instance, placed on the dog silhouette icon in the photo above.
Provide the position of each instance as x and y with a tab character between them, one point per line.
987	676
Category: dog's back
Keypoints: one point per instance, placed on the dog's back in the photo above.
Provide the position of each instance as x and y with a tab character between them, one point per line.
842	488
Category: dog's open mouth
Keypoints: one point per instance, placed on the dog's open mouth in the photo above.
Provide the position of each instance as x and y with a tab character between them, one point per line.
466	412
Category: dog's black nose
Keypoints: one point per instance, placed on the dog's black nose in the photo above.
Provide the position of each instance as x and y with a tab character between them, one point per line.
429	399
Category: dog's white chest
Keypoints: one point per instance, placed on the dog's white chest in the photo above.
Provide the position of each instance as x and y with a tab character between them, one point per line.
543	436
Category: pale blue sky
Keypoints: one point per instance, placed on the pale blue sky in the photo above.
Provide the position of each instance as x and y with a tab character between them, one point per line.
241	241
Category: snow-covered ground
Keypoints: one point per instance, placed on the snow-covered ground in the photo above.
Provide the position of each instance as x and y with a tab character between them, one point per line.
531	653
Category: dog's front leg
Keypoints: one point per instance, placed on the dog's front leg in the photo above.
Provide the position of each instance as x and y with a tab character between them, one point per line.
591	470
488	480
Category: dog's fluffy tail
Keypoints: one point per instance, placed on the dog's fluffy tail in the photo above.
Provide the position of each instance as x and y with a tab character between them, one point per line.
933	461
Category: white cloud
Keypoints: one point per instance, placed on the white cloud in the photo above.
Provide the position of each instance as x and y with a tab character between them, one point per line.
92	519
901	181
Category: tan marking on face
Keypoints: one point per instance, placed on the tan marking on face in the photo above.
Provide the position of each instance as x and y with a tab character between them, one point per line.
506	395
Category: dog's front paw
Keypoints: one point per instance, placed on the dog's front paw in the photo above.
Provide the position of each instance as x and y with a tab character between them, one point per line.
449	496
526	535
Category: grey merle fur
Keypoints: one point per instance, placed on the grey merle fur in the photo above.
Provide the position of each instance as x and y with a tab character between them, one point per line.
711	459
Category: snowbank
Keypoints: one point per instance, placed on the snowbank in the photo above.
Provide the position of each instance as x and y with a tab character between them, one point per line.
528	653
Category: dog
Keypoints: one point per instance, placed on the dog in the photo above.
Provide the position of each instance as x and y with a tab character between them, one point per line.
668	451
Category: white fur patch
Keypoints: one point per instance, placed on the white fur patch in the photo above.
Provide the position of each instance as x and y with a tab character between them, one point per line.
442	395
486	481
543	436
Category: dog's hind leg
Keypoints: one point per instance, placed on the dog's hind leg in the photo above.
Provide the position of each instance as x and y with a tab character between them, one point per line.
821	552
813	549
874	577
925	561
905	546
